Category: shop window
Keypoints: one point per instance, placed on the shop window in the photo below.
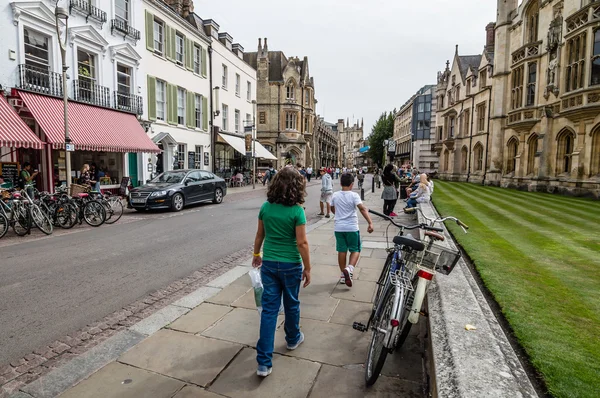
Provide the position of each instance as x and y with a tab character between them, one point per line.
532	144
198	105
180	106
576	62
180	160
478	155
161	102
566	140
225	113
179	48
159	37
237	121
198	157
511	155
531	82
197	59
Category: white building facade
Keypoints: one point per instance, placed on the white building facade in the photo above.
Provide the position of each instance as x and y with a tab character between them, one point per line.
105	82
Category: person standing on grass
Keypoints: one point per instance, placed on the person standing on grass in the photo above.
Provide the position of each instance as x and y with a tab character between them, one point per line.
282	228
347	236
326	191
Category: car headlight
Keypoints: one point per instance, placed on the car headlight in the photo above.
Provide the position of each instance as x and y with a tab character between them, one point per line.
158	193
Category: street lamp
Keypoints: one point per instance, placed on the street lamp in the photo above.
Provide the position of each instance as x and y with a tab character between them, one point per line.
253	144
62	14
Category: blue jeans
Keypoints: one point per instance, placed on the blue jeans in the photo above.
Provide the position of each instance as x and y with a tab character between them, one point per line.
411	203
278	278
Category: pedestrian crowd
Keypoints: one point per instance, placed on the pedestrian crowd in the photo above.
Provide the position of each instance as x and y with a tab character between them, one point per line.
419	190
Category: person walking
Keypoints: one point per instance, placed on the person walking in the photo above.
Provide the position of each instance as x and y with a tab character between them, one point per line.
269	174
309	172
347	236
389	194
282	229
337	173
326	192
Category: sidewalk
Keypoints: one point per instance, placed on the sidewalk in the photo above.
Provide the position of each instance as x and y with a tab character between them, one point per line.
204	344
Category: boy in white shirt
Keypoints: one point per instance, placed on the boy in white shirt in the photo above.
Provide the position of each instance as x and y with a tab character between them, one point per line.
347	236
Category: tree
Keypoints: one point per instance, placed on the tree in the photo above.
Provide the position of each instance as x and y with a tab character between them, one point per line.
381	131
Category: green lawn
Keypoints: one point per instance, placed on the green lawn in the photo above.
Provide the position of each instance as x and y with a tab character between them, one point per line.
539	255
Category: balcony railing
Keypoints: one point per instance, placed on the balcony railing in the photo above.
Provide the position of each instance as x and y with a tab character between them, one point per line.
129	103
123	27
40	80
86	8
87	91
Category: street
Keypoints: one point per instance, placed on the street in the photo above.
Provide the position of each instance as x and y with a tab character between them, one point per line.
53	286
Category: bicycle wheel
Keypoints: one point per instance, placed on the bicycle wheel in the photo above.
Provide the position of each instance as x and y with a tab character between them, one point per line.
20	220
3	225
40	219
66	215
377	351
381	283
94	213
114	210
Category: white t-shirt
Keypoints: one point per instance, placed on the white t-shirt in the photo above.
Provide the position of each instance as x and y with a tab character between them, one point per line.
346	217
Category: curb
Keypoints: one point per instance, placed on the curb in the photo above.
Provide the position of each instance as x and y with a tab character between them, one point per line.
469	363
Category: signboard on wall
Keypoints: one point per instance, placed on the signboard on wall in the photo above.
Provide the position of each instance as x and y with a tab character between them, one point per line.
10	172
248	140
206	159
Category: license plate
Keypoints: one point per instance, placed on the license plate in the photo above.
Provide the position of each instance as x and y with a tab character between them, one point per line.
138	200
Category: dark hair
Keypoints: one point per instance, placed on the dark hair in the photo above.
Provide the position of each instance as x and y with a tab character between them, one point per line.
387	177
26	164
287	188
346	179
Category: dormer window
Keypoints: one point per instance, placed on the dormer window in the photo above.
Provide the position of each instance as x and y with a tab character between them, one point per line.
290	91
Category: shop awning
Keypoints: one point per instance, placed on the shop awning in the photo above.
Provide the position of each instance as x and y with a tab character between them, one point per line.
90	128
364	149
239	145
236	143
14	132
263	153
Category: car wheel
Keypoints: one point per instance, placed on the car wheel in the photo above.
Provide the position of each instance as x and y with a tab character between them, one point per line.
218	196
177	202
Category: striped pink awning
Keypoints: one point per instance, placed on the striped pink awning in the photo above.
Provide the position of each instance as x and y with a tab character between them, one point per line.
14	132
91	128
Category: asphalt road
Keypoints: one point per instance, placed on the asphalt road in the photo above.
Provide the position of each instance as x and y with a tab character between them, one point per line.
52	286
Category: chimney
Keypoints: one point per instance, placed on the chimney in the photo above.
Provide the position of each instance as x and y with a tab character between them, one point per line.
490	37
226	39
211	28
265	48
259	46
238	50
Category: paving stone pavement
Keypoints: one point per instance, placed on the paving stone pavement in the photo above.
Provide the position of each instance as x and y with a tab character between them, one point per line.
210	350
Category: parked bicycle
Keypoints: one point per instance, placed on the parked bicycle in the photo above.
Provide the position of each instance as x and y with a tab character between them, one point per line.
410	265
88	209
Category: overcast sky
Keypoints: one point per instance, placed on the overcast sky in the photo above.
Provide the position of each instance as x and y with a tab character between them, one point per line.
366	56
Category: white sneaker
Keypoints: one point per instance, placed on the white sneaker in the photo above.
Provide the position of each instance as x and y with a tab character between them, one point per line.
263	371
293	347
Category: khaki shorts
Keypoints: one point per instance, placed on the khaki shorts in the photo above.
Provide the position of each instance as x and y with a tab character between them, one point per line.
326	197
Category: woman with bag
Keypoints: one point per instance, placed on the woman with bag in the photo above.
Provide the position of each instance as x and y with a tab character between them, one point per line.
389	194
282	228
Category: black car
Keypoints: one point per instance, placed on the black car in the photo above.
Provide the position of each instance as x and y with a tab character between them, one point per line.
178	188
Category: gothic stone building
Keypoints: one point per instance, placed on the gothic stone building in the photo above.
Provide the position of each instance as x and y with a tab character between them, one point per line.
285	105
350	141
462	114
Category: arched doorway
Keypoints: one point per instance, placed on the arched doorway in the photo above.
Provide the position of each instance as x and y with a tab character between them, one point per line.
564	152
511	154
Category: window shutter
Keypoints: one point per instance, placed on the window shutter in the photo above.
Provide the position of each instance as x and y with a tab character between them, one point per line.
205	113
151	98
172	43
168	48
171	104
203	62
189	54
149	31
191	110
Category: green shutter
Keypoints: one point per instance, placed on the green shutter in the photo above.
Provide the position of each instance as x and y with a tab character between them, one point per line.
191	110
168	47
149	31
205	113
171	104
151	98
203	62
189	54
172	43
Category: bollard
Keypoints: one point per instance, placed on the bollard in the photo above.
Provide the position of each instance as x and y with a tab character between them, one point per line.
373	185
362	193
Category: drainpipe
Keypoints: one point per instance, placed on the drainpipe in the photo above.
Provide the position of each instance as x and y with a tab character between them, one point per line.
213	139
471	138
487	137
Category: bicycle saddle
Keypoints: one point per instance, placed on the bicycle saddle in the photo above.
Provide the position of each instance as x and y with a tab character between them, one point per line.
409	241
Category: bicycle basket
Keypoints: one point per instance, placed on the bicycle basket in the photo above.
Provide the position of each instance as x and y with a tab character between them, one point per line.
442	259
77	189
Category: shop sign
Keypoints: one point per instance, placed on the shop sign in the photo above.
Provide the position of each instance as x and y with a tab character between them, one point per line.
70	147
10	172
248	142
